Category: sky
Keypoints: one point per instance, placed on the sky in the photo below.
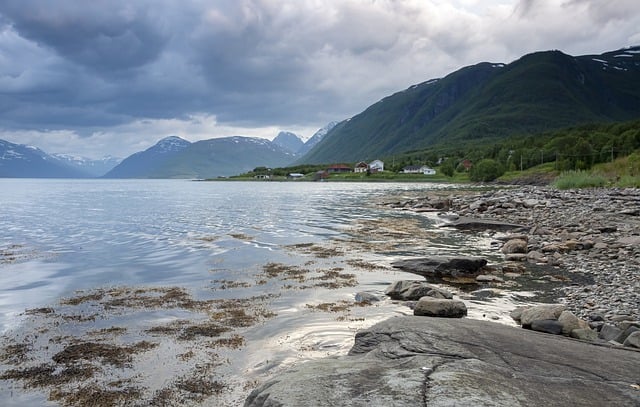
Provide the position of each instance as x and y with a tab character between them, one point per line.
112	77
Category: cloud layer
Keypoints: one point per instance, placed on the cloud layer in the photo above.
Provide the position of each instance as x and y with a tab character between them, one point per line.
114	76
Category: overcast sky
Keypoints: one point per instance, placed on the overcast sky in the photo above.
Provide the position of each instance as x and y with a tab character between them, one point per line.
114	76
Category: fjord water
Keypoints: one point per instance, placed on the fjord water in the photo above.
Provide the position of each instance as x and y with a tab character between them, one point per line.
60	236
82	234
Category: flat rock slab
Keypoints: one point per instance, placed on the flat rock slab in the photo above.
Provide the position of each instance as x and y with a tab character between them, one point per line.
439	267
475	224
417	361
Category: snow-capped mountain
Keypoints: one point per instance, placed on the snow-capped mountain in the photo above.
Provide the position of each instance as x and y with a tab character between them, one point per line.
22	161
177	158
143	163
169	145
316	138
289	141
95	168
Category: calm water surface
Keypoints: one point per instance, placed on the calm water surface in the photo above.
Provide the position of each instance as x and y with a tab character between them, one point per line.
69	235
80	234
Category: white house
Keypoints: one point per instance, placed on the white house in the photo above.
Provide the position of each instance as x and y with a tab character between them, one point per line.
417	169
376	165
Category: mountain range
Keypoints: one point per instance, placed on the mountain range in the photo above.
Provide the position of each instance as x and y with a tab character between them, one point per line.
482	103
22	161
174	157
171	157
491	101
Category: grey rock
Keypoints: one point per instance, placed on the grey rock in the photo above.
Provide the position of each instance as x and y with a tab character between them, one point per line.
625	334
539	312
516	314
536	256
549	326
411	290
414	361
515	257
467	223
570	322
626	324
630	240
609	332
366	297
584	334
439	267
488	278
633	340
442	308
515	246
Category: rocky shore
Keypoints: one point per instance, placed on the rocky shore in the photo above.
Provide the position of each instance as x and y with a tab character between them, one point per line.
419	361
593	232
586	243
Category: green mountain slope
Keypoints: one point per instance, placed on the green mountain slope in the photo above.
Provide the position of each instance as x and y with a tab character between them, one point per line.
538	92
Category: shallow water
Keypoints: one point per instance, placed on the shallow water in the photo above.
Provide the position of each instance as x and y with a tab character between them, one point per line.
60	236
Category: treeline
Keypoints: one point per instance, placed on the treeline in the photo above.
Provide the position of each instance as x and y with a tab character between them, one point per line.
575	148
284	171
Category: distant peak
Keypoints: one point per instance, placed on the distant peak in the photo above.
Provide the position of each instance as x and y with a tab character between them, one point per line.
172	139
171	144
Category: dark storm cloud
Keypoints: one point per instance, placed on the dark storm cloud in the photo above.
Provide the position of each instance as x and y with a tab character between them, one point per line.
100	35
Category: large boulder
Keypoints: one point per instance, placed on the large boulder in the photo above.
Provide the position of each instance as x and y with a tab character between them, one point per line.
438	307
571	322
413	290
415	361
540	312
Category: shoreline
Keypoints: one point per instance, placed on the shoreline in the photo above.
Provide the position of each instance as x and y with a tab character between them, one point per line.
553	219
594	232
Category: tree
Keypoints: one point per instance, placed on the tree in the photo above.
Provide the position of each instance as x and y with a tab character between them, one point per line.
486	170
447	167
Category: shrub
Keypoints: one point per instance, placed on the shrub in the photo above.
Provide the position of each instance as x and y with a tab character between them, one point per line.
486	170
447	168
579	179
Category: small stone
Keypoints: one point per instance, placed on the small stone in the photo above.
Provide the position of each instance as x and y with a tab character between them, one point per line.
515	246
596	317
488	278
536	256
366	297
516	314
515	257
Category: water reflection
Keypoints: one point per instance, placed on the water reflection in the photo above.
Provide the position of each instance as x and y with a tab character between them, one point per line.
203	236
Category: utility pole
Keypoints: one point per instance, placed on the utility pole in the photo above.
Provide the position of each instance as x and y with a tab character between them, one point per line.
611	153
520	162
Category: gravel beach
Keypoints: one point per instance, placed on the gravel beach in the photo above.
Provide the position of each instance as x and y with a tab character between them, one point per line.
595	232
